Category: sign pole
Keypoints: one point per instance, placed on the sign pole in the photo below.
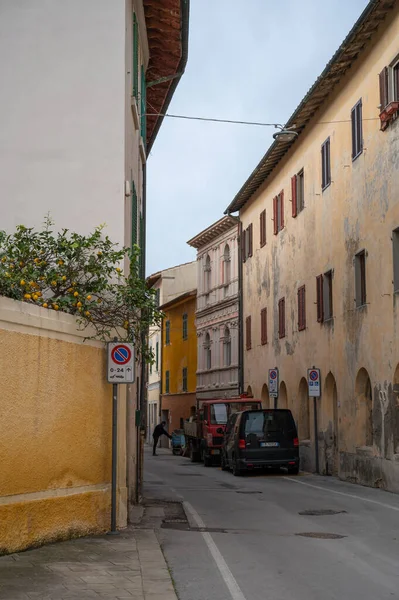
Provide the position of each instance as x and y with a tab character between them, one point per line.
114	454
316	436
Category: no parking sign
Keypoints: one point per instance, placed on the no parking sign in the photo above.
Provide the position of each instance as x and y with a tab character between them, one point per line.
273	383
120	362
314	382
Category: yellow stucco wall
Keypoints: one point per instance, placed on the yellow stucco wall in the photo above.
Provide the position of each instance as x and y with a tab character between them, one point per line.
359	210
55	430
178	354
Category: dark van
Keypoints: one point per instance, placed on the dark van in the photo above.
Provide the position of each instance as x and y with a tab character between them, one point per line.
260	439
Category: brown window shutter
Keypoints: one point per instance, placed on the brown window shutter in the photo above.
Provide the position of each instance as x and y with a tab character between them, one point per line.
243	250
275	216
301	308
248	333
281	318
319	296
263	321
250	240
262	227
383	88
282	208
294	197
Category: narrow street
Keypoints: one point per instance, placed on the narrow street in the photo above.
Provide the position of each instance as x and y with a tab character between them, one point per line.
259	552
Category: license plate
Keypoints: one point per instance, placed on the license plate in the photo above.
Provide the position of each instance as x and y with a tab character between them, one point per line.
215	451
269	444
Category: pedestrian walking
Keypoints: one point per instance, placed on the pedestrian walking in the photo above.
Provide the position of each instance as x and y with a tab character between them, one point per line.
158	431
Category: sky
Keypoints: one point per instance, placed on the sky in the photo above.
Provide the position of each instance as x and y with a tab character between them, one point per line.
249	61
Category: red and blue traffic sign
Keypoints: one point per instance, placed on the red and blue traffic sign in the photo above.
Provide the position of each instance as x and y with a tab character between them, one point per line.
121	354
313	375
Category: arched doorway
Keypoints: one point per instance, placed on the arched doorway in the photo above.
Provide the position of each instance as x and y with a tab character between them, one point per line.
364	409
303	420
265	397
329	425
249	392
282	397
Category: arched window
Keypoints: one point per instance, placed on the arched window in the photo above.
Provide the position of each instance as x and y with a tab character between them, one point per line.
227	347
226	265
208	352
207	274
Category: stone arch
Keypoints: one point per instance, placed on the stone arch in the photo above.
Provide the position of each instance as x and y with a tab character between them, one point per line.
249	392
282	397
364	409
304	414
265	396
329	425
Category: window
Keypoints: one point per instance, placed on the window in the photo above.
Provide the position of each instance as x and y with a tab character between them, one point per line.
327	296
301	308
167	333
227	348
184	377
281	318
167	382
262	228
247	243
248	333
325	164
208	352
143	104
157	356
135	57
226	265
395	248
185	326
395	82
360	278
263	326
157	297
207	274
389	93
357	130
278	212
298	193
324	295
150	362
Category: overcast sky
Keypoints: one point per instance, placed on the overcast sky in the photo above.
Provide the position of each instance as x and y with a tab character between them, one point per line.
251	60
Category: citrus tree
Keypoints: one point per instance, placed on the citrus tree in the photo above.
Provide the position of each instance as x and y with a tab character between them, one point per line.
82	276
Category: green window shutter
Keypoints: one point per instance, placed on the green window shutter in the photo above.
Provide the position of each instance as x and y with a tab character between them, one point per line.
157	356
150	363
142	247
135	57
134	215
167	382
143	105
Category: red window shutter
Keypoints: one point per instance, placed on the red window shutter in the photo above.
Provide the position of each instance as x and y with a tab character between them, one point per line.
250	240
383	88
275	215
301	308
243	250
319	296
281	318
263	321
282	208
294	197
262	225
248	333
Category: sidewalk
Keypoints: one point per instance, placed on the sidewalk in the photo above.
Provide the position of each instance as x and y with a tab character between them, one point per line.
129	566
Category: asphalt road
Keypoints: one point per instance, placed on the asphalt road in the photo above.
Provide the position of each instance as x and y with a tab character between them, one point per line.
260	554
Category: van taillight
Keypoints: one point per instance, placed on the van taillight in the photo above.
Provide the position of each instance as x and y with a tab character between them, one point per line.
241	444
296	442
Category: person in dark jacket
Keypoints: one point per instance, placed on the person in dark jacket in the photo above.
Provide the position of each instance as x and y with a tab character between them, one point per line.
158	431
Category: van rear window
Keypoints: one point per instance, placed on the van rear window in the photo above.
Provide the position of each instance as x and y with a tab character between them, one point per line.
261	423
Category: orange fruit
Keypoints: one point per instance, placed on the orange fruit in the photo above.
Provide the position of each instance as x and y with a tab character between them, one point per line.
76	294
27	296
45	305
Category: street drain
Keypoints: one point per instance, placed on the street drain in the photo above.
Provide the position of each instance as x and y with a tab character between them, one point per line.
321	513
184	526
321	536
248	492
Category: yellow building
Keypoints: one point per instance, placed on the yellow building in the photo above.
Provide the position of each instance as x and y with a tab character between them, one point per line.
320	249
179	360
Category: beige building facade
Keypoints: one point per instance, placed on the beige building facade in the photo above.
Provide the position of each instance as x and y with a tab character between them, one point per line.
217	309
320	233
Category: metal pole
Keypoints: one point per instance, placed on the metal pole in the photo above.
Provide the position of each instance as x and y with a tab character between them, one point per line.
114	454
316	436
275	402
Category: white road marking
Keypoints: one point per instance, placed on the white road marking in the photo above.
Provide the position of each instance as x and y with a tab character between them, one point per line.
228	577
318	487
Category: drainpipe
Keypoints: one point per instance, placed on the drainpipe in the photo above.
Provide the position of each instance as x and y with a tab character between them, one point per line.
240	315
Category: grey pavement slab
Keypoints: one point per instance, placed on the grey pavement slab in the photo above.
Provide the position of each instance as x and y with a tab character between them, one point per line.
129	566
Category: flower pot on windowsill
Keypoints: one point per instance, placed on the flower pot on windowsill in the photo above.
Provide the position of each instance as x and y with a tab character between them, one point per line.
387	113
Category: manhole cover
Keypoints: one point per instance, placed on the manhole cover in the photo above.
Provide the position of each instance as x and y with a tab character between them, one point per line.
321	513
321	536
248	492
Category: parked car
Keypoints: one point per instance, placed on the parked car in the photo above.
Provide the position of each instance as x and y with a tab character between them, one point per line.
260	439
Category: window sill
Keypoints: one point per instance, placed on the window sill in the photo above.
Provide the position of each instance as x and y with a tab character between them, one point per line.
329	320
263	245
135	113
361	306
357	155
323	189
302	328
